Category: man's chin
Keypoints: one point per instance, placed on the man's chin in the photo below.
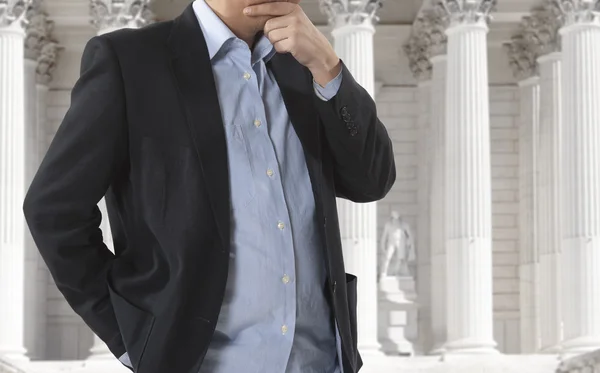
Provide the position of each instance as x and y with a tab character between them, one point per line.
258	23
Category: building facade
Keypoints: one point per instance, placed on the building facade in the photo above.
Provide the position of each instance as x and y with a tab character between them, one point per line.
492	106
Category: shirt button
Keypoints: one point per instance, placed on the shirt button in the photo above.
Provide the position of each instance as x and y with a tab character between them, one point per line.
257	123
285	279
280	225
284	329
247	75
270	172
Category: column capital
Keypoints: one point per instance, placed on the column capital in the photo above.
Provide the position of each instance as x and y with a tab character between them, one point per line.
418	61
38	29
522	51
47	61
431	27
39	43
350	12
522	59
120	13
459	12
541	28
428	39
13	12
579	11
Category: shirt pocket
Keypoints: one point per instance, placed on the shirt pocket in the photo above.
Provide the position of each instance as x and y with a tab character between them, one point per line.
241	168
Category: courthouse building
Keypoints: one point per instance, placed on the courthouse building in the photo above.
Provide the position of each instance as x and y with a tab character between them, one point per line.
493	107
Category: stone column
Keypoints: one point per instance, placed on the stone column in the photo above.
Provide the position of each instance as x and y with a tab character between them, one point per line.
528	249
38	43
12	179
524	65
549	208
438	199
353	29
468	224
427	52
581	174
45	67
423	268
541	32
35	315
417	51
108	16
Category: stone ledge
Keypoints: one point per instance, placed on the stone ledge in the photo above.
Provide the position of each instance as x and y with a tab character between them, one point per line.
6	367
462	364
77	366
372	364
577	364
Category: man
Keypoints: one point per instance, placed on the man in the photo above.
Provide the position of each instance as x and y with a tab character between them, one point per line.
220	140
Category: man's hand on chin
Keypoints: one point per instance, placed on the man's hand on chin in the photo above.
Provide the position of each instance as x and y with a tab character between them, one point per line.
290	31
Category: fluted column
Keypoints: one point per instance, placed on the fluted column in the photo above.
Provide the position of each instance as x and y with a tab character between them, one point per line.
468	213
353	31
540	36
426	49
108	16
38	42
12	179
525	69
581	174
423	270
529	258
418	50
438	199
548	186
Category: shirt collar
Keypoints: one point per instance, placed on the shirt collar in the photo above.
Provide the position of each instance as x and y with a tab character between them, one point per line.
216	33
263	49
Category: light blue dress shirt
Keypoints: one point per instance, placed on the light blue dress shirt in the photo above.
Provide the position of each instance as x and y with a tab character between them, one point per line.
274	317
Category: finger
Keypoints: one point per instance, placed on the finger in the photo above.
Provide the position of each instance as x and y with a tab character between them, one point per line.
277	35
276	23
275	9
283	46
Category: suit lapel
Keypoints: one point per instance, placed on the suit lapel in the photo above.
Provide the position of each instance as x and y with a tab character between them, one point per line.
193	74
295	84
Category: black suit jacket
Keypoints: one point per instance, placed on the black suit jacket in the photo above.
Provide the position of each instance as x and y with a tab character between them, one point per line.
144	128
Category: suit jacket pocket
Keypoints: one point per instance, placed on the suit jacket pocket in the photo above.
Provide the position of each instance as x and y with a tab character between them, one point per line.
351	293
135	326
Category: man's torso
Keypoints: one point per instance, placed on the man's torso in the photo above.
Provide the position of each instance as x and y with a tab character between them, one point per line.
170	208
274	314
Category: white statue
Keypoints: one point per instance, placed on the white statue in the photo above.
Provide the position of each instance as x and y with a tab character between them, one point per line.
397	239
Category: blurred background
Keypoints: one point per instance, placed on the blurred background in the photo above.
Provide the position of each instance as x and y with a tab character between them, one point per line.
492	246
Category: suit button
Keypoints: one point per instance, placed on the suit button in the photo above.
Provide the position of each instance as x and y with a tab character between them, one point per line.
334	285
325	221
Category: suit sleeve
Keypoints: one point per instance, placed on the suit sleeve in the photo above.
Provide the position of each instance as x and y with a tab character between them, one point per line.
60	207
364	168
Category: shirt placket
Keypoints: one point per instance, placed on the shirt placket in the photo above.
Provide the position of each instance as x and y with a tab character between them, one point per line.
272	201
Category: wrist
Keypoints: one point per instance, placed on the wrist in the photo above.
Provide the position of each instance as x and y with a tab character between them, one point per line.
326	70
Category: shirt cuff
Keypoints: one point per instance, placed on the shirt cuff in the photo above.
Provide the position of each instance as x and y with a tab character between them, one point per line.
330	90
125	360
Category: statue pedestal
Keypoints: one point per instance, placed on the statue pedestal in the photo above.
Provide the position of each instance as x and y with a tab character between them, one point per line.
397	315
